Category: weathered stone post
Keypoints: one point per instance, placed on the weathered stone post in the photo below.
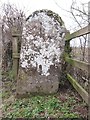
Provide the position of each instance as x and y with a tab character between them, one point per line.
41	49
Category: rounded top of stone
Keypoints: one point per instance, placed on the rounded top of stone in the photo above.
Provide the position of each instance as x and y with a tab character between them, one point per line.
48	13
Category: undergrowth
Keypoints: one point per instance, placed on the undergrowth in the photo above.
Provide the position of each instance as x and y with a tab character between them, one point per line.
40	107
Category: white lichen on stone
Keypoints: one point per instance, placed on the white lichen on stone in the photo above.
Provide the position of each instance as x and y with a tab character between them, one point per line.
42	43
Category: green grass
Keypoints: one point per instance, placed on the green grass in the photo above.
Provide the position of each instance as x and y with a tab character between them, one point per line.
40	107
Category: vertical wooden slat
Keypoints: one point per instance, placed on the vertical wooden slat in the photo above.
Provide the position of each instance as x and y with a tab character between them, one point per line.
1	115
15	60
89	56
67	49
89	72
15	36
67	43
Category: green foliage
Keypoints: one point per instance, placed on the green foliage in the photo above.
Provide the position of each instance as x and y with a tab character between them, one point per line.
39	107
9	74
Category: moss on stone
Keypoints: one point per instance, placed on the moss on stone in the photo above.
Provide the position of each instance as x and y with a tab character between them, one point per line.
22	75
49	13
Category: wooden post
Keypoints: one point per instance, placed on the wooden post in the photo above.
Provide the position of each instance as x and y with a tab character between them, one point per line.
89	58
15	35
67	44
1	115
67	49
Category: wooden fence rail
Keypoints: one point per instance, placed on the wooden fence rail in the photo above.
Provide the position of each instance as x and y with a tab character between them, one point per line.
78	88
76	63
79	64
81	32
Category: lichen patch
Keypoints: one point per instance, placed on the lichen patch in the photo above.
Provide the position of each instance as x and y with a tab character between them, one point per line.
43	42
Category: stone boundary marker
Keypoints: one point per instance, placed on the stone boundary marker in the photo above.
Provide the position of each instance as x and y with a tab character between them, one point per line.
43	40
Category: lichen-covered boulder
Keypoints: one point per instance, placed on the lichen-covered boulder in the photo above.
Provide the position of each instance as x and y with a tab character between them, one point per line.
41	49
